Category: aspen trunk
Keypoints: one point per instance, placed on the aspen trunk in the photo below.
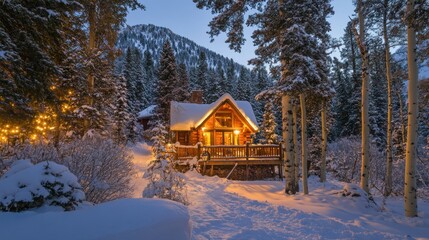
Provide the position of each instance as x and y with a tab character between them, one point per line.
303	143
364	105
410	187
401	116
287	123
389	156
324	144
295	146
288	141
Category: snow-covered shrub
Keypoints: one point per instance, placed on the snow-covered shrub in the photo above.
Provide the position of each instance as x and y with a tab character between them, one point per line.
344	161
164	180
27	186
104	169
354	191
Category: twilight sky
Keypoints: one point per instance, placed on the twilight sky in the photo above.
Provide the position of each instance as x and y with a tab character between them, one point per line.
183	18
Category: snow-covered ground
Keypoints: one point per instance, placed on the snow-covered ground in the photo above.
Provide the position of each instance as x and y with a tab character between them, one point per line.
119	219
225	209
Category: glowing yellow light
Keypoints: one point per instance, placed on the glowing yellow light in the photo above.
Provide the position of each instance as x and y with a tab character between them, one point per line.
236	132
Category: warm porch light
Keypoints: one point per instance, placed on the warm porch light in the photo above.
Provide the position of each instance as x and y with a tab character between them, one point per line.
236	132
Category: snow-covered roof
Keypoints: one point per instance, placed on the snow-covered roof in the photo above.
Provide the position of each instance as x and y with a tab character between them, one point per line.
147	112
184	116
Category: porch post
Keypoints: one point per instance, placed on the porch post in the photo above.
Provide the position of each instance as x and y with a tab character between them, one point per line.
247	160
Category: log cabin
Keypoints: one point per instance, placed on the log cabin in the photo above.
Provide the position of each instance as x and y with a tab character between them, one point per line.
223	122
219	135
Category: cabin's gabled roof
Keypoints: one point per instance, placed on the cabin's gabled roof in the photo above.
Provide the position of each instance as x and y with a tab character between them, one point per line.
147	112
184	116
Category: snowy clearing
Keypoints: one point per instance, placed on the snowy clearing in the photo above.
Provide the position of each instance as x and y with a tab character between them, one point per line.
225	209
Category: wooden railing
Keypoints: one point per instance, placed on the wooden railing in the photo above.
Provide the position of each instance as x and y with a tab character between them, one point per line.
245	152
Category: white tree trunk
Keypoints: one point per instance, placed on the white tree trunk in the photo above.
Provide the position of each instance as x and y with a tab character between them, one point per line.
288	141
410	188
389	156
364	105
324	144
295	145
303	143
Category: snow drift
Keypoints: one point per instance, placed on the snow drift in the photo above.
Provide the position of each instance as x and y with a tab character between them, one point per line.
120	219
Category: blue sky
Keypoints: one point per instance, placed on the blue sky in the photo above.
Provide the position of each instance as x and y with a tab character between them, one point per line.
183	18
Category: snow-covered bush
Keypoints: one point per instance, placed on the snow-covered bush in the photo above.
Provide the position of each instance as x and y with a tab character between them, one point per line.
104	169
344	161
164	180
27	186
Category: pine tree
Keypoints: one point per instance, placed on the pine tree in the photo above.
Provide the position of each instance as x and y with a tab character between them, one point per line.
223	84
182	91
243	91
268	125
150	79
167	75
342	90
201	75
351	59
121	114
141	88
214	86
103	19
164	180
377	93
33	46
230	79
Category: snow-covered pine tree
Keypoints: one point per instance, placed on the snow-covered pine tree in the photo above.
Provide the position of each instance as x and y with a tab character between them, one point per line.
141	88
377	93
351	59
230	79
167	81
133	76
223	83
31	60
121	114
214	87
103	20
182	91
151	79
164	180
201	81
243	90
342	89
268	126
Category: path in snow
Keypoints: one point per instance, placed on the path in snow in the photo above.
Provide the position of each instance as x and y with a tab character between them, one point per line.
217	214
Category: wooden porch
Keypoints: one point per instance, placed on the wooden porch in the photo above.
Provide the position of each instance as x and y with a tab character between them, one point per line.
268	155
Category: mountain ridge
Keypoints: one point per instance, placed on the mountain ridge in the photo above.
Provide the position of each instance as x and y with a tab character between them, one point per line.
151	37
